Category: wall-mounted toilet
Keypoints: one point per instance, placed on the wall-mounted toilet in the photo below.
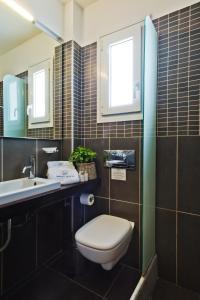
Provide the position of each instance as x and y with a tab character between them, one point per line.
104	240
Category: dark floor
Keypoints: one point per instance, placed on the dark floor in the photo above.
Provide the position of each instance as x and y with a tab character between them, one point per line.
74	278
168	291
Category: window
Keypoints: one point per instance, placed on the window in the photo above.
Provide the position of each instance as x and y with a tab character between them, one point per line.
119	75
13	104
40	95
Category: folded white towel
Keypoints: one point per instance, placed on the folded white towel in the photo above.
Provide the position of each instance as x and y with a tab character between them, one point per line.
63	171
53	164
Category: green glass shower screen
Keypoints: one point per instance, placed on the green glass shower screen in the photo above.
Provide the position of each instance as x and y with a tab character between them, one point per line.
149	143
14	106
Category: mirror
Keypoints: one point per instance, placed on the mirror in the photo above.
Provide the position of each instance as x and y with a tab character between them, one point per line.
29	72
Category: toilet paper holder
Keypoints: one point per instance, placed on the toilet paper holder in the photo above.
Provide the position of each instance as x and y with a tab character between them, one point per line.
87	199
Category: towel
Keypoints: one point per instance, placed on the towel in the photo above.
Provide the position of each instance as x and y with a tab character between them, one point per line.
63	171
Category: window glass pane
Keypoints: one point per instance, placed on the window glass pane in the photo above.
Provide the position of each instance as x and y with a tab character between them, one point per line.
121	73
39	94
13	101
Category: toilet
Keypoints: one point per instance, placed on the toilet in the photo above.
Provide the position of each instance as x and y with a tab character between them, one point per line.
104	240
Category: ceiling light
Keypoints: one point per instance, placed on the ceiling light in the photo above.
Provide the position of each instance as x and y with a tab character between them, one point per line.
19	9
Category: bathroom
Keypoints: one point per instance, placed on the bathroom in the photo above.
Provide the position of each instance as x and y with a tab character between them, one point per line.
125	223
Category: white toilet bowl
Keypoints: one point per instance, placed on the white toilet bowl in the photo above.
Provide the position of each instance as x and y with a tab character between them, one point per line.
104	240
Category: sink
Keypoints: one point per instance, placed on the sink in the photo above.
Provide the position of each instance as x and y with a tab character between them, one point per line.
19	189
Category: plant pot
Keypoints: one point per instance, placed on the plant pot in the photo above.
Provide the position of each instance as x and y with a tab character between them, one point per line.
90	168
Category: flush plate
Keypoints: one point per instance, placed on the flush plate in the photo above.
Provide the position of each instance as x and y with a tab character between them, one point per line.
125	159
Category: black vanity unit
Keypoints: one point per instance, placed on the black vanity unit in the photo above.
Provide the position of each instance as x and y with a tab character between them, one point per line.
41	227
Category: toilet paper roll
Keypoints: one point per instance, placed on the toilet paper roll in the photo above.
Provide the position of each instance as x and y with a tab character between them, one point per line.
87	199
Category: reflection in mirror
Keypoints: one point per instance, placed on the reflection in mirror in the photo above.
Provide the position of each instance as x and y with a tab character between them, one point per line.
29	67
14	103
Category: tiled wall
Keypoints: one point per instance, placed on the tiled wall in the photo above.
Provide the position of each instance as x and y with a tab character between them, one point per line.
15	154
58	92
178	210
67	90
77	92
179	72
178	146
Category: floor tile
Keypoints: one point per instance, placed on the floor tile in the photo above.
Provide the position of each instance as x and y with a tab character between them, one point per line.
86	273
124	285
167	291
51	286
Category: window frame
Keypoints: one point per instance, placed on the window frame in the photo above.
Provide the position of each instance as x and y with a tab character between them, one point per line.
126	112
47	120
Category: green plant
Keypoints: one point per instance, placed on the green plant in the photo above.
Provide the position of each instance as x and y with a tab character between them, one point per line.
82	155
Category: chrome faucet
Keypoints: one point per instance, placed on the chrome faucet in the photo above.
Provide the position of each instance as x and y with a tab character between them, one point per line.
31	168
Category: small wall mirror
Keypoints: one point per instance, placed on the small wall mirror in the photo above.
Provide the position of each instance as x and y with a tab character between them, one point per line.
29	104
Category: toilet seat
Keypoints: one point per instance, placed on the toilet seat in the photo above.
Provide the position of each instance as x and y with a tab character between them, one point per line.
104	232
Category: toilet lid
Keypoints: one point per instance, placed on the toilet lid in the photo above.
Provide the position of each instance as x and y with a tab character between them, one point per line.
104	232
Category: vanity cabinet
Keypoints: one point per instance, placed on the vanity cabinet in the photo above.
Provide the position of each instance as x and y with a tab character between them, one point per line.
41	228
36	238
50	232
19	259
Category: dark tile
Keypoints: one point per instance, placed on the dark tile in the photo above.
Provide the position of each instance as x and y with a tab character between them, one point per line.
130	212
126	190
124	285
19	259
71	263
101	206
188	251
43	158
189	175
165	290
50	231
52	286
16	155
166	243
66	149
125	210
86	273
1	165
166	173
78	142
99	145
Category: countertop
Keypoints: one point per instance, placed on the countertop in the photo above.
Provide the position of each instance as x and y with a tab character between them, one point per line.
37	201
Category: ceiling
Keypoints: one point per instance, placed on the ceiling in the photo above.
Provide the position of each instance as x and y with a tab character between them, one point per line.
14	30
82	3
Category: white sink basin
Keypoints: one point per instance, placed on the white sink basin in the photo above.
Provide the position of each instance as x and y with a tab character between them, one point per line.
16	190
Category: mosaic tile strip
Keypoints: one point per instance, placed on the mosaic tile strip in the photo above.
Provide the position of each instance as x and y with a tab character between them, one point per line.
179	72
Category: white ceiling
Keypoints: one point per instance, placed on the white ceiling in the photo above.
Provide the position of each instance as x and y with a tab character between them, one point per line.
82	3
14	30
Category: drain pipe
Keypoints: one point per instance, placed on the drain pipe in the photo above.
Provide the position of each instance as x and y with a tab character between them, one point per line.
9	227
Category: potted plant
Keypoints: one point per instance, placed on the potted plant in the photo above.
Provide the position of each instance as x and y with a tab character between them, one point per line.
83	158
